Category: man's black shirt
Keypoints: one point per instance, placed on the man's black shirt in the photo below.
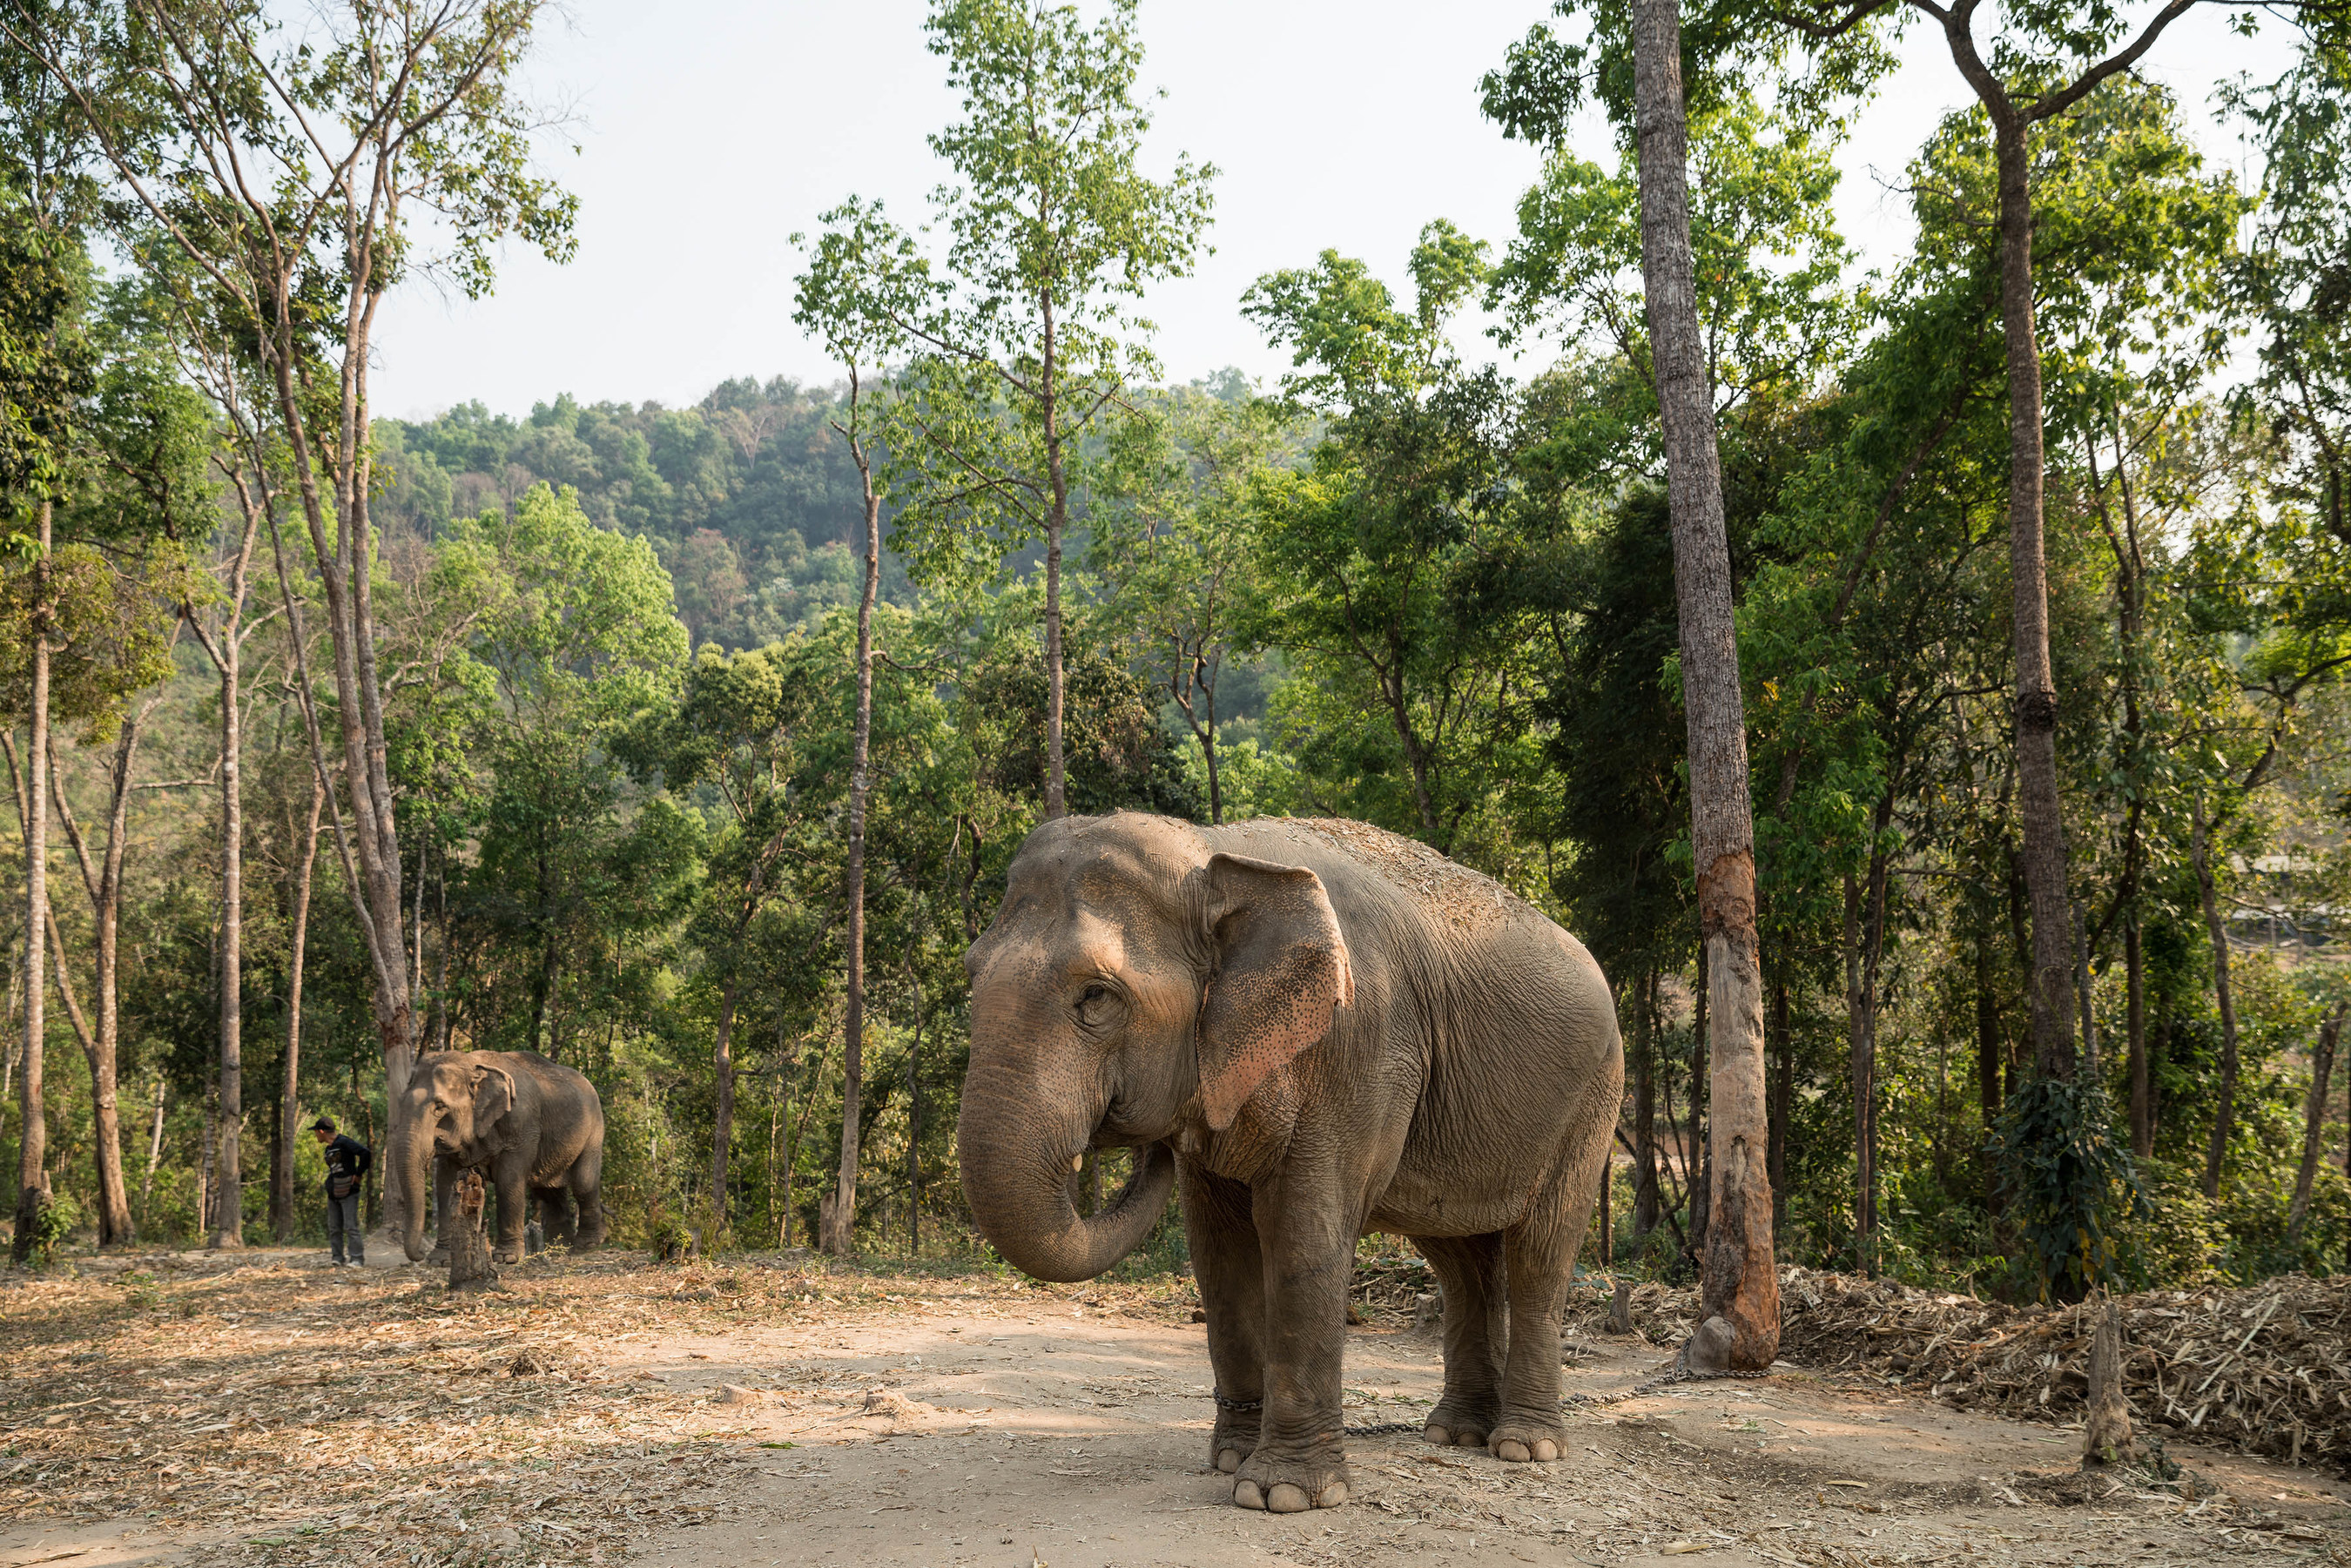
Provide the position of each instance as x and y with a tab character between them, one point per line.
348	1159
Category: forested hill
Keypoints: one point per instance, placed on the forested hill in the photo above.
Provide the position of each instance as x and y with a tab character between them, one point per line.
748	496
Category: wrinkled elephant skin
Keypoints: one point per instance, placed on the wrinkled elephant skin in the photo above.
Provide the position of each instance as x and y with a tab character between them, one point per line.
1332	1032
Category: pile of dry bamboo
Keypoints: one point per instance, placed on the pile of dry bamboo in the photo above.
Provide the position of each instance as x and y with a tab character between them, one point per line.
2265	1369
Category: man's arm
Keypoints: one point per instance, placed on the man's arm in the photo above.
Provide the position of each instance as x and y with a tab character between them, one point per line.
362	1158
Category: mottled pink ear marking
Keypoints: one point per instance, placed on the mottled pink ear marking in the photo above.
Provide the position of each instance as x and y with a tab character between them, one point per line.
1281	971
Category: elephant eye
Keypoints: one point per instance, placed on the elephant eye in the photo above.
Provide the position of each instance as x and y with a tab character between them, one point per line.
1093	994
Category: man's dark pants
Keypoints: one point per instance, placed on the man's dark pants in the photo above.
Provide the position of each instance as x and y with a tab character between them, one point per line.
343	1221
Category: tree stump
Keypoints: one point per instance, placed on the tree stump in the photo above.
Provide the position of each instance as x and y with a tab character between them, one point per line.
2107	1429
470	1268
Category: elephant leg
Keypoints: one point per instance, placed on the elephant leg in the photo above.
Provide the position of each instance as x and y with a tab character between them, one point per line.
1306	1236
1231	1277
1539	1260
1476	1336
511	1177
586	1182
555	1215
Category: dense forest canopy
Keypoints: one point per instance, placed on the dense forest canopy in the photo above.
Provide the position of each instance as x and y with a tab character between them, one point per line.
624	756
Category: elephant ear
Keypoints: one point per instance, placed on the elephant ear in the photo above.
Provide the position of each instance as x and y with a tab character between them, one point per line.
1280	971
493	1096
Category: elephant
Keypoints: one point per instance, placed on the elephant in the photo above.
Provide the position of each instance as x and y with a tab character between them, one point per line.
1316	1030
535	1126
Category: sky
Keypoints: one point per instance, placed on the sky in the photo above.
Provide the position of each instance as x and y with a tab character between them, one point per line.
709	131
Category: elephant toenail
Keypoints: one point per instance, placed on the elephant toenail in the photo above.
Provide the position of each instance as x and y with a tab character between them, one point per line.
1438	1435
1246	1494
1229	1461
1511	1449
1332	1495
1545	1450
1287	1499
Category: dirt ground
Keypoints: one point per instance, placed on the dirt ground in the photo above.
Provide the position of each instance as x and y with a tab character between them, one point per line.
264	1409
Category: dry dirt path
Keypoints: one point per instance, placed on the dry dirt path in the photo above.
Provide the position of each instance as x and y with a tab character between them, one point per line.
267	1411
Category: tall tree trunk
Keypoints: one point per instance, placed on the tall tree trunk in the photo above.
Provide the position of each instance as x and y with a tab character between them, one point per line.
722	1128
1701	1159
155	1144
1783	1095
840	1217
1865	948
2313	1120
2142	1101
2038	802
282	1218
2224	1102
1740	1290
1057	520
1645	1204
228	1223
103	882
32	1143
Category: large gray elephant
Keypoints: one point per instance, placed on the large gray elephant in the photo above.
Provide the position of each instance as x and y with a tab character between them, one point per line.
535	1127
1319	1030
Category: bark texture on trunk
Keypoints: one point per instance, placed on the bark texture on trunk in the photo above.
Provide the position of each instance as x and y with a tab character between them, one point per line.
2224	1103
2039	806
32	1143
840	1217
228	1221
2142	1098
1646	1201
722	1129
2313	1119
1056	522
282	1218
1740	1289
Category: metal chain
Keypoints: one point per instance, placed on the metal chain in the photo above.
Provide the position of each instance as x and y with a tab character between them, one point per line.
1569	1402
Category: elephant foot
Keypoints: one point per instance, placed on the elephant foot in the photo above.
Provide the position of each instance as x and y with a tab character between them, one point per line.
1458	1423
1520	1442
438	1257
1292	1484
505	1254
1231	1443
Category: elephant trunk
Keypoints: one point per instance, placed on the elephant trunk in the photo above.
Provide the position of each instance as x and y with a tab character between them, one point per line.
1018	1185
412	1159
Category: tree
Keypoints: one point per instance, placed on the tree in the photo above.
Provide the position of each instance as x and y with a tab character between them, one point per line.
289	167
1025	348
863	281
1740	1286
1177	545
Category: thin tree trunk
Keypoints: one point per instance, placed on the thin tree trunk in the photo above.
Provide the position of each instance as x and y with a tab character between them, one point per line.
228	1223
155	1144
2039	805
1865	949
2224	1104
32	1143
289	1089
1057	520
1784	1094
2313	1120
1700	1159
722	1129
2142	1100
840	1237
1645	1110
1739	1287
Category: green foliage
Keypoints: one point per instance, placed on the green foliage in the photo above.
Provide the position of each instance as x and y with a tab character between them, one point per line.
2071	1190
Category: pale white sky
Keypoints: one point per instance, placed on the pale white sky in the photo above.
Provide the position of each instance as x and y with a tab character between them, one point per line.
709	130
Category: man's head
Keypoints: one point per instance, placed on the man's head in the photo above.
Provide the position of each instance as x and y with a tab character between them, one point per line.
325	1130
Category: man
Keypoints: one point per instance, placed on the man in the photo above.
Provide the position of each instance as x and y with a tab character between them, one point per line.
348	1160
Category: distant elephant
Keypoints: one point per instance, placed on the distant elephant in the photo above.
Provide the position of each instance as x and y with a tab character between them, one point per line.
535	1127
1333	1031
